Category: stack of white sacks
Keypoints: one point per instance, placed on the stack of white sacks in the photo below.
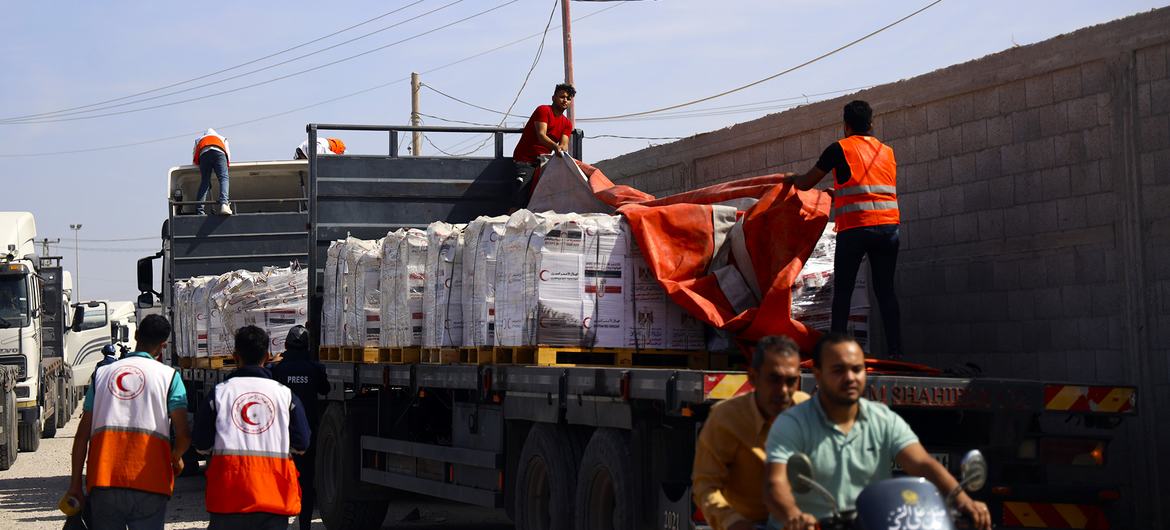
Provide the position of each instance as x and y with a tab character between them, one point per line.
812	294
274	299
524	280
521	280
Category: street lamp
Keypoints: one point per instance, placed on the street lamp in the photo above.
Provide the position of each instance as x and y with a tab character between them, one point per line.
76	262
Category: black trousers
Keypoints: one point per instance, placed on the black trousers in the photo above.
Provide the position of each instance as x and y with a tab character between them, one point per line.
880	244
247	521
307	468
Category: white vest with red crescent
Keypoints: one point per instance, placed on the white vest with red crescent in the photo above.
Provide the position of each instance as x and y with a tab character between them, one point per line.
251	469
130	444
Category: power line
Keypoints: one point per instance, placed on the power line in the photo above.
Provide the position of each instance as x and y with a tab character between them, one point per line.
527	77
637	137
297	109
773	76
217	72
144	238
269	81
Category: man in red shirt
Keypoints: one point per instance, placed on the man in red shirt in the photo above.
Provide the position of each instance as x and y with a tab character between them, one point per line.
547	132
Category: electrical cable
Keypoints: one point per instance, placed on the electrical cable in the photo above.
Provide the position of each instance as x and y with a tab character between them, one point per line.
224	70
269	81
195	133
771	77
524	84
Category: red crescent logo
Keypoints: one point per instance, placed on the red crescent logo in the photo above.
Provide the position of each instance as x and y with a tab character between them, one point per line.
126	390
585	322
118	381
542	275
244	412
253	413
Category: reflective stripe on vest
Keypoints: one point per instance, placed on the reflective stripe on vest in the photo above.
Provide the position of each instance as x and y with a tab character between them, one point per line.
130	444
870	196
209	140
250	469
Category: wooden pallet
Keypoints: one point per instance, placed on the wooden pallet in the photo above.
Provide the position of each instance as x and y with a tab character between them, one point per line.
329	353
503	355
400	355
214	363
359	354
440	355
622	357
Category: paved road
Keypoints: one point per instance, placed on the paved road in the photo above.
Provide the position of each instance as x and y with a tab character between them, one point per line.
30	489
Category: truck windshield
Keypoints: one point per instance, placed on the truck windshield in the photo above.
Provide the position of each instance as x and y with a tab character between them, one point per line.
13	300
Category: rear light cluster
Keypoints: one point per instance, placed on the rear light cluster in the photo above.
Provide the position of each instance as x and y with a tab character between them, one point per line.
1064	451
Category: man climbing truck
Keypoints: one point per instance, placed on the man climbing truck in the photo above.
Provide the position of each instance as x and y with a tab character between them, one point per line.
603	442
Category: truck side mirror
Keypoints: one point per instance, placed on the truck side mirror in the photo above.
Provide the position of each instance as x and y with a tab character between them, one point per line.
146	275
145	300
78	317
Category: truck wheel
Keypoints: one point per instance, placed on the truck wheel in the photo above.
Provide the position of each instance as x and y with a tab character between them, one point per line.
608	494
30	437
545	478
8	450
62	407
344	502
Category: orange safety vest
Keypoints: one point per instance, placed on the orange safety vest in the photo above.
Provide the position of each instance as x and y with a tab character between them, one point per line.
209	140
336	146
251	470
130	446
870	196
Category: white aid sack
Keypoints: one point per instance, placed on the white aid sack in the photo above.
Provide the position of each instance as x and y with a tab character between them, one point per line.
443	300
482	240
363	305
331	303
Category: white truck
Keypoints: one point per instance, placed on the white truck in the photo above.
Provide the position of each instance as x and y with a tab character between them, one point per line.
32	331
95	324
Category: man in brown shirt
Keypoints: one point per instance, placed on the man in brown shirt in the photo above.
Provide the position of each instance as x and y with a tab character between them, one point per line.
728	473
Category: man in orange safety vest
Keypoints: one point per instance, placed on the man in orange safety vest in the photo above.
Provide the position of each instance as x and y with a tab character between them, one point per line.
865	209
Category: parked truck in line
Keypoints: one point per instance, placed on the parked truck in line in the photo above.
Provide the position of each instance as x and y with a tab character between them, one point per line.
612	445
32	328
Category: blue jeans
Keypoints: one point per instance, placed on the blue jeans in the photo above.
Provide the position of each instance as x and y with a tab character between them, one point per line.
881	244
120	508
212	160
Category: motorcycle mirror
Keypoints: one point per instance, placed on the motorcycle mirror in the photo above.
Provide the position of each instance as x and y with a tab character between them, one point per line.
800	473
973	469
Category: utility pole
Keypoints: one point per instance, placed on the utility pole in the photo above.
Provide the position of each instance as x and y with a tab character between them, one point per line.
45	245
76	228
567	39
415	120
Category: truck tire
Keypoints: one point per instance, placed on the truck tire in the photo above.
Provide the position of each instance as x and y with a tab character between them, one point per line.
608	491
64	411
29	435
546	478
8	450
344	502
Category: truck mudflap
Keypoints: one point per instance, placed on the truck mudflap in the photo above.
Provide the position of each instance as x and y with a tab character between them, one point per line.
1021	514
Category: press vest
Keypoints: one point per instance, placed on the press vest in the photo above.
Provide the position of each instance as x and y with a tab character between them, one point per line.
870	196
251	469
130	444
209	140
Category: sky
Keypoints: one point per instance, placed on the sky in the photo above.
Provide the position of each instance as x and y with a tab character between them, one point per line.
116	59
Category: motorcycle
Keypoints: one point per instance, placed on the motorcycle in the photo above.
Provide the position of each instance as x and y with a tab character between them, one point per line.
909	503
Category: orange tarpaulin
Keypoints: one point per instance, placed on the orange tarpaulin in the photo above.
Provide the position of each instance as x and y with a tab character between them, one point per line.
728	253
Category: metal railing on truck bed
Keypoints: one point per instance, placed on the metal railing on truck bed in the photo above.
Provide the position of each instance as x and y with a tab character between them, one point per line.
366	196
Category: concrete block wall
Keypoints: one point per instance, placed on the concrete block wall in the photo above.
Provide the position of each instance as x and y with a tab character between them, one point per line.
1034	186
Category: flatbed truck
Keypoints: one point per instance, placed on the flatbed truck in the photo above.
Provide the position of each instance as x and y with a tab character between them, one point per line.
600	446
